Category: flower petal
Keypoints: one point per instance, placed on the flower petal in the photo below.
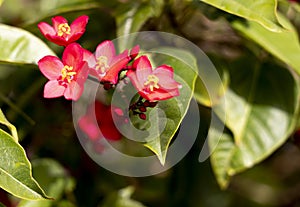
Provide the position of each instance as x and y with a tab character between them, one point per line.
52	89
46	29
89	58
73	55
57	40
73	91
164	70
160	94
82	74
51	67
165	75
109	131
143	69
89	126
79	24
133	78
112	75
57	20
107	49
134	51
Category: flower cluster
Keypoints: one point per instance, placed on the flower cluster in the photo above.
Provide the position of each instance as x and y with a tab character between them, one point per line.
67	76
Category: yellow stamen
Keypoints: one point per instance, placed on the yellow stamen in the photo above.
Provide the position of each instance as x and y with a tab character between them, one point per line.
67	73
102	64
63	28
152	82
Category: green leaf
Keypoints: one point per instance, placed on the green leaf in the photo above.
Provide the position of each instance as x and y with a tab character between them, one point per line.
122	199
260	11
132	16
284	45
174	109
21	47
1	1
222	147
51	9
261	110
217	89
11	127
53	178
15	170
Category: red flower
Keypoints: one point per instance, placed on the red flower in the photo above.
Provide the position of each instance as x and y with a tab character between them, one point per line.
66	77
61	33
106	64
153	85
98	123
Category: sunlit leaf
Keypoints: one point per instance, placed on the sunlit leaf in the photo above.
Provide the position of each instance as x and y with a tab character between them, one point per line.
284	45
53	178
261	108
221	155
217	89
260	11
15	170
21	47
11	127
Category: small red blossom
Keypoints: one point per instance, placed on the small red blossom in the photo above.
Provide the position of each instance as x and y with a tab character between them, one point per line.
106	64
66	77
61	33
98	122
153	85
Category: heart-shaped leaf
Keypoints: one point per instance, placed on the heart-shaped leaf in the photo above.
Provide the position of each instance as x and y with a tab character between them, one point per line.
21	47
174	109
284	45
261	108
260	11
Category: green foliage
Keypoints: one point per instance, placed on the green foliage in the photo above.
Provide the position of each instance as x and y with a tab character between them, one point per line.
174	110
257	58
20	46
285	45
11	127
122	199
261	11
261	112
54	180
133	15
15	170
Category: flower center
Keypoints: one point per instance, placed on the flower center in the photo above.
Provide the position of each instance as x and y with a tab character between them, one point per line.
102	64
152	82
67	73
63	28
